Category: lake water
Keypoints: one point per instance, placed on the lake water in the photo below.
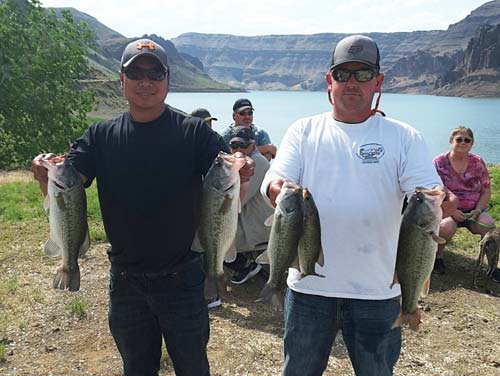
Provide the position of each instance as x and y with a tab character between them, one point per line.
433	116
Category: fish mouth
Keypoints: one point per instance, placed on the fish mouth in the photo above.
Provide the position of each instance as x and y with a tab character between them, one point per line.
431	192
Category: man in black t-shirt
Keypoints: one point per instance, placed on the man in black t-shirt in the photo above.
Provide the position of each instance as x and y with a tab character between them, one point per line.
148	163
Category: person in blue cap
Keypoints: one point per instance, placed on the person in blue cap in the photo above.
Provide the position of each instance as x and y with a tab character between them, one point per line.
243	116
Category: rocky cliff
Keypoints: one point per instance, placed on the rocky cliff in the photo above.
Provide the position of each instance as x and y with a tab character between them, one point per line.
412	61
478	73
187	72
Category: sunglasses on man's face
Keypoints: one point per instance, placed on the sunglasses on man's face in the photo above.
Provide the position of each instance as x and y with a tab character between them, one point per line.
239	145
145	74
245	113
459	140
361	75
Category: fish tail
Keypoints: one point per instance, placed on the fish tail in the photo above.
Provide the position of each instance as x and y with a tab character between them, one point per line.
221	286
66	280
271	296
412	319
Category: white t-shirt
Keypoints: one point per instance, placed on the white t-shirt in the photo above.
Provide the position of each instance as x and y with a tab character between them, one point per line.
358	175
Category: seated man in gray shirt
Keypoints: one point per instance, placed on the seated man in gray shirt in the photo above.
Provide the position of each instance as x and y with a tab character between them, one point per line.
252	234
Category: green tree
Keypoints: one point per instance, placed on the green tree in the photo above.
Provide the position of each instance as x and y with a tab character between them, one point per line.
42	59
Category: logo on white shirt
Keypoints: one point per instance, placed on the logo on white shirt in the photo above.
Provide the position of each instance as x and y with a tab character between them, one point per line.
370	153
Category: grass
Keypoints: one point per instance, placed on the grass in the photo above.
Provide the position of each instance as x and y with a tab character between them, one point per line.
77	308
24	229
3	353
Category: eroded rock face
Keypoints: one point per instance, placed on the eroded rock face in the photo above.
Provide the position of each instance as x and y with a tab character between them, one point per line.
478	72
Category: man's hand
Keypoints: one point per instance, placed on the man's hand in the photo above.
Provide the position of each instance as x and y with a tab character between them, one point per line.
247	171
40	172
268	151
274	190
450	204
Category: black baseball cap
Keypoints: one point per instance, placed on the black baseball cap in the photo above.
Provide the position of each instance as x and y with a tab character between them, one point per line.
356	48
242	104
203	113
242	134
143	47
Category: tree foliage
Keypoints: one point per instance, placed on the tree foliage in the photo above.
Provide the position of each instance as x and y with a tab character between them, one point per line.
42	59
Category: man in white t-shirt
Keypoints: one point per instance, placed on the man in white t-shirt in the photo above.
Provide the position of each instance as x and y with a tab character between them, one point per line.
358	165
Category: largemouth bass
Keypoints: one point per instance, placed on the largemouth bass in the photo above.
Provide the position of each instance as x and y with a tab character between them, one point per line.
219	213
286	231
417	247
310	251
69	234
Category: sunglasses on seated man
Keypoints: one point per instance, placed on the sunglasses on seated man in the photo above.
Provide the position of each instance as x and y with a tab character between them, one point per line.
361	75
240	145
245	113
145	74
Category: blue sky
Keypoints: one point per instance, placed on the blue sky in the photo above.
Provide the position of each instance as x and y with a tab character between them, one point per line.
170	18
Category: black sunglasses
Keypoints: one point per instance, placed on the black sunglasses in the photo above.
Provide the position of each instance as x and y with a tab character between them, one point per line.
459	140
239	145
244	113
145	74
361	75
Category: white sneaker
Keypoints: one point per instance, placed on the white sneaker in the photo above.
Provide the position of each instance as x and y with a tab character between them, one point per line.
213	302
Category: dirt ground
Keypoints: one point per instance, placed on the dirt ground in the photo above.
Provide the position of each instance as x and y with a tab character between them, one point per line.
460	333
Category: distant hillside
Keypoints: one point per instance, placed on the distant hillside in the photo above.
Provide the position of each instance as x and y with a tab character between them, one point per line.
413	61
187	71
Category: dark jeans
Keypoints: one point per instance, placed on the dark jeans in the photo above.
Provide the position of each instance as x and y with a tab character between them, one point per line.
143	308
312	322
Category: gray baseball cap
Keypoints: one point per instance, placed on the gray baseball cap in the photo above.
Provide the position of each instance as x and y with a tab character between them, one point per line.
358	49
143	47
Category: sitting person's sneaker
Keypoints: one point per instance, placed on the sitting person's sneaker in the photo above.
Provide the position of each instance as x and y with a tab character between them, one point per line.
213	302
439	266
243	275
495	276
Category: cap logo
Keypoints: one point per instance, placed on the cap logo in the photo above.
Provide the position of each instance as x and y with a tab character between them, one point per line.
354	49
150	46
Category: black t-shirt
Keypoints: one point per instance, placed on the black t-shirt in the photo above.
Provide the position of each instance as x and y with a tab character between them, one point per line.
149	184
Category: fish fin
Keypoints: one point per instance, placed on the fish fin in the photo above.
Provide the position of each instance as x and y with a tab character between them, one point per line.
296	263
303	275
226	204
231	253
269	221
51	248
437	238
85	245
321	258
60	201
65	280
413	320
425	288
210	289
395	279
272	297
221	286
263	258
46	203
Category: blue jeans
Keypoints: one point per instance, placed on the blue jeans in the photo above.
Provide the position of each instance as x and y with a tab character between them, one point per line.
143	308
312	322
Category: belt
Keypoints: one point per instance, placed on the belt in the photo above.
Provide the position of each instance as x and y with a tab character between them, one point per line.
169	272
